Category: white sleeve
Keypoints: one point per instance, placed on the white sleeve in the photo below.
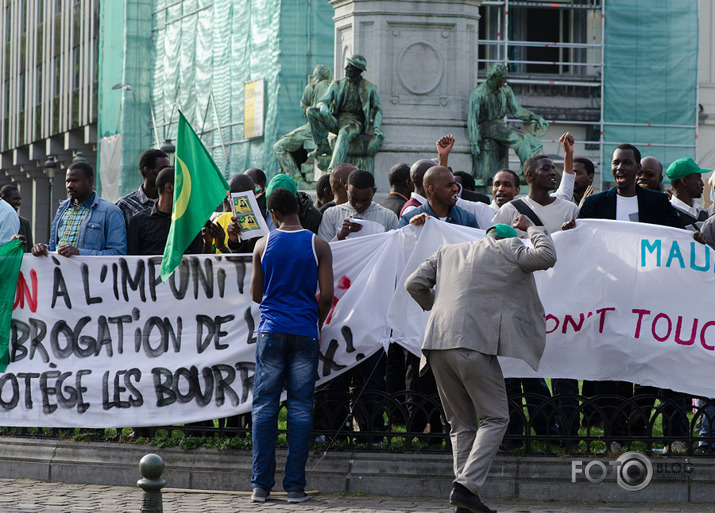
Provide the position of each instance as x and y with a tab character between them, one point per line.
565	190
481	211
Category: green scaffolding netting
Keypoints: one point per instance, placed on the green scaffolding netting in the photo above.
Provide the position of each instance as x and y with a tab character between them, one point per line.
204	48
650	77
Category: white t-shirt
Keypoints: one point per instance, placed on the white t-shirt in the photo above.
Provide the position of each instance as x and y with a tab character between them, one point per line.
626	208
552	215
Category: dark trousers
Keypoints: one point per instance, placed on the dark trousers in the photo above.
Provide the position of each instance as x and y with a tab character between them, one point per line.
339	398
674	410
614	410
569	419
422	410
536	392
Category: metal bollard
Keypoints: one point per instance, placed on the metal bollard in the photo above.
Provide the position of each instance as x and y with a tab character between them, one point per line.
151	467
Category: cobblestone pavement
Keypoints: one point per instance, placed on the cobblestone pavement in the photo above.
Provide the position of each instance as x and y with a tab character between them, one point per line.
27	496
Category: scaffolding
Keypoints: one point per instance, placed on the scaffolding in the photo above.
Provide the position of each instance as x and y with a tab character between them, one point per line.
570	62
512	33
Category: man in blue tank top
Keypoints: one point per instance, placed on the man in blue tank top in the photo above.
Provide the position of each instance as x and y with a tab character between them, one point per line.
287	265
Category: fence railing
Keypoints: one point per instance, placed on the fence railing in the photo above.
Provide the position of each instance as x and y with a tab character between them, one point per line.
414	422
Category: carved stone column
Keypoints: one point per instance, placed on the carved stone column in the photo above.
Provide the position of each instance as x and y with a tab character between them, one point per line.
422	55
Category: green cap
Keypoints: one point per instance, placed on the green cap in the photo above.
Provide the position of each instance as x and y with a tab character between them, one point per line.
684	167
281	181
358	61
500	230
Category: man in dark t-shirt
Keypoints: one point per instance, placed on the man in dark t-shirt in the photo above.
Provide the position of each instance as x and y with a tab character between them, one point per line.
148	229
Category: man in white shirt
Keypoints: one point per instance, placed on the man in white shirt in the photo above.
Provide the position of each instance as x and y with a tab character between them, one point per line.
687	184
541	207
551	212
9	222
505	187
505	184
339	221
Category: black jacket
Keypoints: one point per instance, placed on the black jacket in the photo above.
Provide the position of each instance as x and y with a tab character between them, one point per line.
310	217
653	207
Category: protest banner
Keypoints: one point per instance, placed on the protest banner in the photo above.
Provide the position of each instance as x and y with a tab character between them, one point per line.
102	342
625	301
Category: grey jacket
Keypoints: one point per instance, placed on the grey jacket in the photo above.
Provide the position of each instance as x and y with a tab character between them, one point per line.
483	296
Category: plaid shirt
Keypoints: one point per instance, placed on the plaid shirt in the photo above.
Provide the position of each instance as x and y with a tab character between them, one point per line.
134	202
68	229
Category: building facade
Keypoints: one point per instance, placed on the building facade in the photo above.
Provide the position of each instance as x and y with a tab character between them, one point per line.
99	79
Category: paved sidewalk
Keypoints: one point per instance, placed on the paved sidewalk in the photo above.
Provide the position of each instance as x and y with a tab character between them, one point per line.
28	496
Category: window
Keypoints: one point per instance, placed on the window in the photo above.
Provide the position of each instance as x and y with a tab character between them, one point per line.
542	38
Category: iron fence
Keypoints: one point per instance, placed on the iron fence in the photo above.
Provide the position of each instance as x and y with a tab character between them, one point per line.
410	421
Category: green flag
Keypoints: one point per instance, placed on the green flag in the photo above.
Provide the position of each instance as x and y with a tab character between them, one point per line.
199	187
10	260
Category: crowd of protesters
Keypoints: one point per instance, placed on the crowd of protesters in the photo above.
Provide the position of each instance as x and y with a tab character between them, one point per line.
139	223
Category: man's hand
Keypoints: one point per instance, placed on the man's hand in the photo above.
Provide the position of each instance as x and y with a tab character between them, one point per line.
39	249
567	142
522	223
444	145
568	225
474	148
234	230
698	236
213	233
419	219
378	132
348	228
589	191
67	251
324	110
18	236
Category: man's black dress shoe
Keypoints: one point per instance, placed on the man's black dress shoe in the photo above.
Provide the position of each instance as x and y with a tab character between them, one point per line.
467	501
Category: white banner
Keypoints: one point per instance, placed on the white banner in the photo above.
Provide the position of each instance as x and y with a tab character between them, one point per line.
625	301
100	341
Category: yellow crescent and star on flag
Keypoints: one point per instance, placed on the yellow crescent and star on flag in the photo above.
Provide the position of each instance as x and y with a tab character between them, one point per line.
182	191
193	206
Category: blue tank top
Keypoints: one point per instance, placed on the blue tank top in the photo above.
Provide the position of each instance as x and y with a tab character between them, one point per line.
290	278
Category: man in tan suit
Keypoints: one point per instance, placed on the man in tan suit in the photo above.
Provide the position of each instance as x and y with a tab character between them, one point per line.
505	318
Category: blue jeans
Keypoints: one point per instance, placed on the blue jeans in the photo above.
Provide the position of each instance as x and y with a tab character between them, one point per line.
291	360
708	422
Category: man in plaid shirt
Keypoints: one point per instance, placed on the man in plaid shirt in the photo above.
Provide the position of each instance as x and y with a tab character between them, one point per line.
85	224
151	162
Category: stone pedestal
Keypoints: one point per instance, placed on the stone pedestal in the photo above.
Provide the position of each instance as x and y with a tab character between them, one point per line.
422	55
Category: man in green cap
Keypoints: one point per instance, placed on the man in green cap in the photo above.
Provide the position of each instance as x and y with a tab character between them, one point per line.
495	275
349	108
687	183
310	217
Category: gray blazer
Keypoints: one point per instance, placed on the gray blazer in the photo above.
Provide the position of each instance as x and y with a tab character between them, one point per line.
483	296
